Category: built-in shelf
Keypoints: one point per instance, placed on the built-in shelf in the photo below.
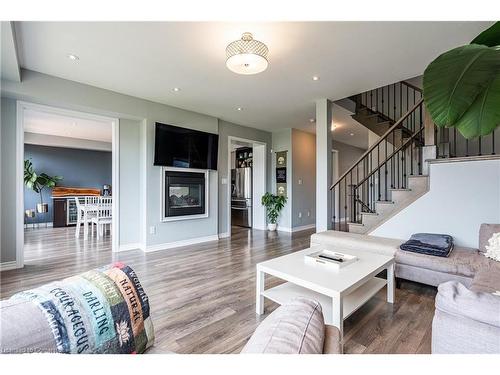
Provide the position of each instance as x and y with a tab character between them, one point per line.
287	291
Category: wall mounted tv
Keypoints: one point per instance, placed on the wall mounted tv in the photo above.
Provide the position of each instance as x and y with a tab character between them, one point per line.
185	148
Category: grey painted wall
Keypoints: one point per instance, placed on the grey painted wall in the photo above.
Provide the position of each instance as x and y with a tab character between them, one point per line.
76	96
79	168
130	182
304	169
227	129
7	165
348	155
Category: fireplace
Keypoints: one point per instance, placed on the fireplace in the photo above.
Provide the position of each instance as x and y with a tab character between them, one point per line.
184	194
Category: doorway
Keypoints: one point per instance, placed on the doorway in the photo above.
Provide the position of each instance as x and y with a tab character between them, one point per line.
246	183
79	153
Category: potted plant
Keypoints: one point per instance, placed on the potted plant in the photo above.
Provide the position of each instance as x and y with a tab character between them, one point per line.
38	182
274	204
462	86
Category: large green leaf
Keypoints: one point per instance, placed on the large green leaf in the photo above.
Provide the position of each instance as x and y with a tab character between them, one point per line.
489	37
454	80
483	116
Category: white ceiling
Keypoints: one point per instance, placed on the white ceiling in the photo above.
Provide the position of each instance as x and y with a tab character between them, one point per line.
46	123
148	60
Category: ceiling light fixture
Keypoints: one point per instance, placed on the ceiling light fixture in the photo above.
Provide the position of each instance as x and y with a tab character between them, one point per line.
239	109
351	134
315	78
333	127
73	57
247	55
176	89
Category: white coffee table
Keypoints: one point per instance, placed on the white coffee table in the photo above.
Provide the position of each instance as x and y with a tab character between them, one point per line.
340	292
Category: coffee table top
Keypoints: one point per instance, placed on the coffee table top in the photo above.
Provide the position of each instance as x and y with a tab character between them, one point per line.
293	268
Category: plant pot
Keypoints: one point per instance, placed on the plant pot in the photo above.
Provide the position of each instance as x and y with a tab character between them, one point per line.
272	227
42	208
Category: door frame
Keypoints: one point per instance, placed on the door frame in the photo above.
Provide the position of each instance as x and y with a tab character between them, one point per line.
19	216
259	185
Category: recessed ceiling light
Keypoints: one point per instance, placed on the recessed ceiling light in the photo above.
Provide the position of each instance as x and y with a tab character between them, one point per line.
315	78
239	109
351	134
73	57
176	89
312	120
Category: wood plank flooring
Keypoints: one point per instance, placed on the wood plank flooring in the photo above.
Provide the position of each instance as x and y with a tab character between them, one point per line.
203	296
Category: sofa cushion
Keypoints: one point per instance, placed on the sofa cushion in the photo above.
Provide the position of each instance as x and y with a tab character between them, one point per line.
485	233
462	261
487	279
296	327
455	299
348	241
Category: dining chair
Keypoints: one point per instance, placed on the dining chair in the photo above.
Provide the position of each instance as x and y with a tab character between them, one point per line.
103	215
86	210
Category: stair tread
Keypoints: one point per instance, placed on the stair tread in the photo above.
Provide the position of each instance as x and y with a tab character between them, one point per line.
356	224
391	189
385	202
417	175
369	213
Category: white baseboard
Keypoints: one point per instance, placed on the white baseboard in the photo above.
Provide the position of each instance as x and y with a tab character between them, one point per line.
5	266
191	241
130	246
224	235
296	229
39	225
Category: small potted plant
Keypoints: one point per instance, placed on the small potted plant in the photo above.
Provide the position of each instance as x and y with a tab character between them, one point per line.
274	204
38	182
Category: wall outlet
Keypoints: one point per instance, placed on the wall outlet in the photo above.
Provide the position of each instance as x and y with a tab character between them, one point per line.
308	213
300	181
152	229
223	181
300	215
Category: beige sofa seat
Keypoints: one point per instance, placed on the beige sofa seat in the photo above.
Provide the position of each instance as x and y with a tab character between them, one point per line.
462	261
347	241
487	279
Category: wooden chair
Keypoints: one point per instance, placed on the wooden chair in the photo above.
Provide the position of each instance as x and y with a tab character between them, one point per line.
104	215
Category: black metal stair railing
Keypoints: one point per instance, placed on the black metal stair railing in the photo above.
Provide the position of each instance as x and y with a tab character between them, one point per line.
390	102
386	165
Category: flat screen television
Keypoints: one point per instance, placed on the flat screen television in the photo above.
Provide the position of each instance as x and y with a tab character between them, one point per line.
185	148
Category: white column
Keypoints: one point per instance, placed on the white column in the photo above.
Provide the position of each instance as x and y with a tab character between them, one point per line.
323	164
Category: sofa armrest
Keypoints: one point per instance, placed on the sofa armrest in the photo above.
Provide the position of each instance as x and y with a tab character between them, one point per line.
455	299
332	343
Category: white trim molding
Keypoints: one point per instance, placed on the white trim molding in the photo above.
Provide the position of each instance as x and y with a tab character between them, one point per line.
6	266
131	246
296	229
224	235
191	241
19	214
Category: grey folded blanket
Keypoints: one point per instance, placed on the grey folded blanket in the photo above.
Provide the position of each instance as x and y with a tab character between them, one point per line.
439	245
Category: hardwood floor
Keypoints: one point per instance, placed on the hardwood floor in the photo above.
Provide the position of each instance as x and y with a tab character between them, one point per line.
203	296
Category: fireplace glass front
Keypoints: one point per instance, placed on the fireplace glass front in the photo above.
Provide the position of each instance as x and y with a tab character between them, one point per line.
184	193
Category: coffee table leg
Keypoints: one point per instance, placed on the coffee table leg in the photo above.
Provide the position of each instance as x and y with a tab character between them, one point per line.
390	283
338	313
259	303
